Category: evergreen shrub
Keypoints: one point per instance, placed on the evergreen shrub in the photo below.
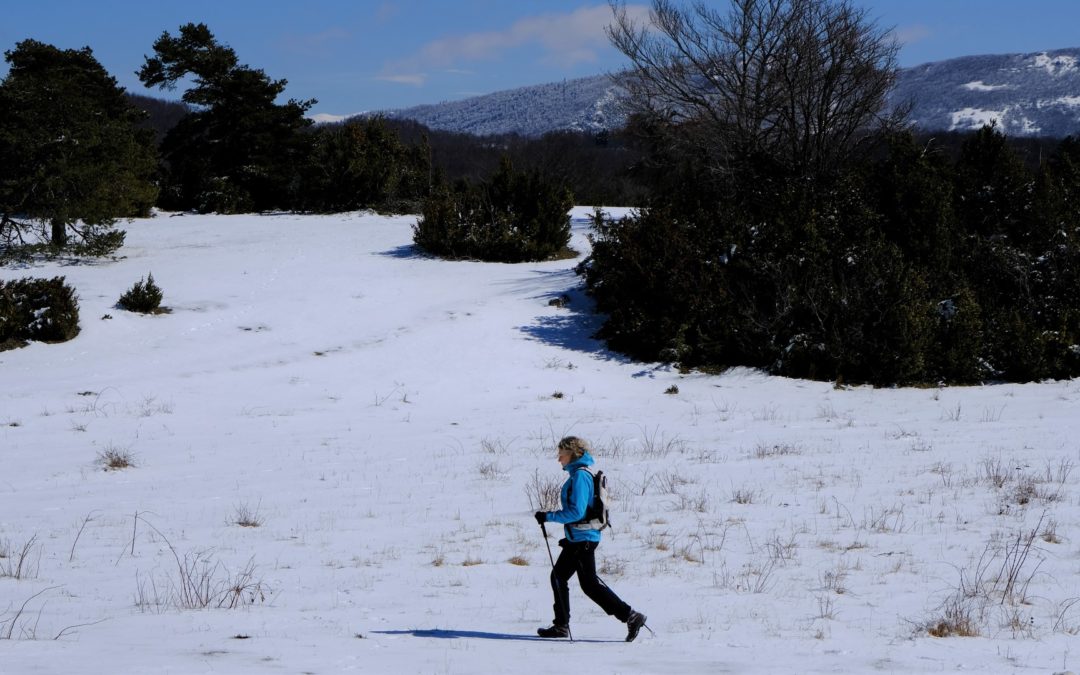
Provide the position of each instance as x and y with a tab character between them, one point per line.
512	217
143	297
903	268
43	310
363	164
99	241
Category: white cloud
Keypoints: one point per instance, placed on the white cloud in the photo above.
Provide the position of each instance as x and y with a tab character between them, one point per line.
563	39
415	79
907	35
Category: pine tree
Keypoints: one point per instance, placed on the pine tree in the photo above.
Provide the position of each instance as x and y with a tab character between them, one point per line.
72	151
239	150
363	164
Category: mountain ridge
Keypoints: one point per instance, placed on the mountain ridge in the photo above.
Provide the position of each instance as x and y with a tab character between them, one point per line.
1032	94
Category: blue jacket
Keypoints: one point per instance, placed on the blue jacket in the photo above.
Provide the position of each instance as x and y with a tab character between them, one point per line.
576	500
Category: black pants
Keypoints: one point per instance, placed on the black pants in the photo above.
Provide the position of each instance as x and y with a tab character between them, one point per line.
580	558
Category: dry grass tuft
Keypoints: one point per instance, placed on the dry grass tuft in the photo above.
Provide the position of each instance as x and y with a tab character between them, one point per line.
245	516
113	458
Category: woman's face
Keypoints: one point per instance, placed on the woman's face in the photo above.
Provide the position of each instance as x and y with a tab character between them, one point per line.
565	457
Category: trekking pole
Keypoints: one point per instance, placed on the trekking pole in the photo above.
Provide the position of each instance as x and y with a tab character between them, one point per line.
543	528
554	588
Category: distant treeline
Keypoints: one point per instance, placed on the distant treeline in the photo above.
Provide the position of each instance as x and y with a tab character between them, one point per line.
596	167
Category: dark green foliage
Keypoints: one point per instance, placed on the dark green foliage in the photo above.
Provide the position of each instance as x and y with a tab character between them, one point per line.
993	188
912	189
905	268
363	164
1016	239
512	217
237	150
144	297
652	278
595	166
43	310
958	339
74	159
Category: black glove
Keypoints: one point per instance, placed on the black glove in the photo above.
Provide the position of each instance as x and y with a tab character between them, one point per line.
541	517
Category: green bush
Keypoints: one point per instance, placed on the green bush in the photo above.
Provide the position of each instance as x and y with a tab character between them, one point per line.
363	164
905	268
512	217
144	298
99	241
650	275
43	310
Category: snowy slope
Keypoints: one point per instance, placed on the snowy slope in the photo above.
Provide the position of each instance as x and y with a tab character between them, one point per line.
1035	94
385	418
588	104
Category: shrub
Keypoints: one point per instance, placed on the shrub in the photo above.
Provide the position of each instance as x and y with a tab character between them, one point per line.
144	298
245	516
651	275
901	269
99	241
363	164
45	310
512	217
114	459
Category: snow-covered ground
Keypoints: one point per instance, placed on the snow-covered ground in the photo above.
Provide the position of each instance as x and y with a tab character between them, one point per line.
386	420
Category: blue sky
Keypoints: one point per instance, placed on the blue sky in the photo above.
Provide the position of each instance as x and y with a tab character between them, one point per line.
356	55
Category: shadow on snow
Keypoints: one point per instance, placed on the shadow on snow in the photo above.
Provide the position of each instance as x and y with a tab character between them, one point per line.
475	634
575	324
572	328
407	252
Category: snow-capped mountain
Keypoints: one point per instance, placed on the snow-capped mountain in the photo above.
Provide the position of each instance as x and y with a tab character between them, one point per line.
584	104
1034	94
1026	94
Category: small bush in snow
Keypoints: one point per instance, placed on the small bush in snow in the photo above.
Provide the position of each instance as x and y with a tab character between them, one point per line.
543	493
245	516
143	297
43	310
114	459
19	562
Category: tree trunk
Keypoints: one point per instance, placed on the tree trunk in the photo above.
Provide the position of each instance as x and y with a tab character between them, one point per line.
59	234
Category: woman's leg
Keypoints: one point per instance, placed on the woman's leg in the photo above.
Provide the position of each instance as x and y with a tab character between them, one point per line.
565	567
592	586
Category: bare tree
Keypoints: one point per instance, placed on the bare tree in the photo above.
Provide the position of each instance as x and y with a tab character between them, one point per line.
798	81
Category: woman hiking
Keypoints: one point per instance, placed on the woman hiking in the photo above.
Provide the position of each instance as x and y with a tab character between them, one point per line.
578	555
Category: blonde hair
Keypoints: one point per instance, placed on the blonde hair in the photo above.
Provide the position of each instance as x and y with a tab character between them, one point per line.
574	445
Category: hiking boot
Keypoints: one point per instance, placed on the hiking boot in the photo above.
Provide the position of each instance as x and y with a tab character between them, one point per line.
554	631
634	622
